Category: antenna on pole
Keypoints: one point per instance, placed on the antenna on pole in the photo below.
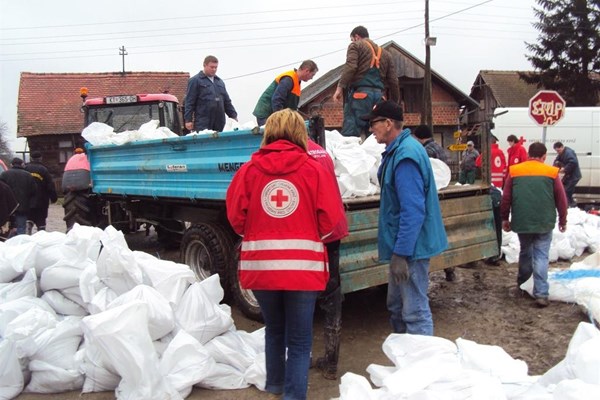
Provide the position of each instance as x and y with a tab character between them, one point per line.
123	53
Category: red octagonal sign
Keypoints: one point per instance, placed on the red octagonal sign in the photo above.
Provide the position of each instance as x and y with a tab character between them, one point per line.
547	107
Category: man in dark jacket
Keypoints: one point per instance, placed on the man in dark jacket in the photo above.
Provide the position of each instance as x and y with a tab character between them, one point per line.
206	100
568	163
23	186
368	76
45	193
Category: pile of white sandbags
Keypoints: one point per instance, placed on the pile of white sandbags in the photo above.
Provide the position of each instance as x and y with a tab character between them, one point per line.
432	368
583	233
83	311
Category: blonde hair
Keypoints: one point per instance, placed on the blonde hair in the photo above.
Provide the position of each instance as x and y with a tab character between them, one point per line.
286	124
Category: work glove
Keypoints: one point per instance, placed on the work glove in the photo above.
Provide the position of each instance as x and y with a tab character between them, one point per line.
398	269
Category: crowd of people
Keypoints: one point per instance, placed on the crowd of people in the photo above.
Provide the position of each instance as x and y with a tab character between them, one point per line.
26	191
286	205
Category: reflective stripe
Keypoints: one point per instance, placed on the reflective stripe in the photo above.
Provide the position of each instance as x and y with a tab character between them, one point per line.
284	265
286	244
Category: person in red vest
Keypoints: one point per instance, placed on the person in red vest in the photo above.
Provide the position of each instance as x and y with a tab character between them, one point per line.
516	152
498	164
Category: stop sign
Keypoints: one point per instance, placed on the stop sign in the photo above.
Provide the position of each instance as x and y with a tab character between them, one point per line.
546	107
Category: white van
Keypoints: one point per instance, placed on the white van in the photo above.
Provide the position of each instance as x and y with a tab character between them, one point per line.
579	130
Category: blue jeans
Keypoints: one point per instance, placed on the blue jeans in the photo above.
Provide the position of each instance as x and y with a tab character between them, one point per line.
288	319
408	302
533	259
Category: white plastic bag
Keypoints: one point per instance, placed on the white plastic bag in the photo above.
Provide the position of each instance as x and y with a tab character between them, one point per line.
116	266
11	376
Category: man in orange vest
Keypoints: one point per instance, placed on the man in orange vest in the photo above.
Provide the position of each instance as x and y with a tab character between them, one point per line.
284	91
368	74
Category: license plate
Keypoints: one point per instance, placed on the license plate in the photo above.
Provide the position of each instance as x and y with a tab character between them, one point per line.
120	99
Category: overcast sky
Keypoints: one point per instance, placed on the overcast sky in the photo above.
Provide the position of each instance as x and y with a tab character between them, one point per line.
254	40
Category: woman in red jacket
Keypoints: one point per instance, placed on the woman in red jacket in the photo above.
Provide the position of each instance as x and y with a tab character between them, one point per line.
283	204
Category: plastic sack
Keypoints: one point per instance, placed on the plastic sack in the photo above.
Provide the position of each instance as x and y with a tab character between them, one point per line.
256	374
97	133
199	312
233	348
575	389
11	376
185	362
491	360
48	378
121	334
61	305
101	300
441	173
405	349
86	239
12	309
160	315
116	266
25	328
98	372
18	255
26	287
169	278
356	387
223	377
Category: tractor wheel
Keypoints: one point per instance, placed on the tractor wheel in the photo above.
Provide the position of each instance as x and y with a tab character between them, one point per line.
78	209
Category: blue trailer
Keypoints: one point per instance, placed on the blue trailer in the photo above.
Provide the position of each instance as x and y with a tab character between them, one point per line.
178	186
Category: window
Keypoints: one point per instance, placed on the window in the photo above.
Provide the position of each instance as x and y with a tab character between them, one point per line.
65	150
412	95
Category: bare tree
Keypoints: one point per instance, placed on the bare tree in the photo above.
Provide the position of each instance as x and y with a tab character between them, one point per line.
5	151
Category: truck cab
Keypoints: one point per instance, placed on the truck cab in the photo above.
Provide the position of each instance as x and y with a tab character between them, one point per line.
129	112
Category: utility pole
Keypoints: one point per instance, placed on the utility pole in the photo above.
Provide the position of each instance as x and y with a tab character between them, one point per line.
123	53
426	112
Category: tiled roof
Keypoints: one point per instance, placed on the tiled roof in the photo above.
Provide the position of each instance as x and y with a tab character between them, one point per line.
508	89
49	103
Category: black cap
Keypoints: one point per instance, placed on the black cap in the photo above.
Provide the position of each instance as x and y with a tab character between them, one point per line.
423	132
16	161
386	109
35	155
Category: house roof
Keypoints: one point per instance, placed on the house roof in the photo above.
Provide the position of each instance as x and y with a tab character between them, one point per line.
49	103
508	88
332	77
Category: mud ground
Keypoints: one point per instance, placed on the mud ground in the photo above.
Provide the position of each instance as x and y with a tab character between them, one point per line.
477	306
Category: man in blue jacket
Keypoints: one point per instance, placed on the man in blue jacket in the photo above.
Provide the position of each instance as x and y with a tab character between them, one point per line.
568	163
206	100
411	230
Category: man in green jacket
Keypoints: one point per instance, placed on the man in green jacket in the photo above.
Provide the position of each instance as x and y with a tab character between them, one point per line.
284	91
532	194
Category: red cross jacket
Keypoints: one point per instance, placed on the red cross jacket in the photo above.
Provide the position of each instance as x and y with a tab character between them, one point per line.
280	202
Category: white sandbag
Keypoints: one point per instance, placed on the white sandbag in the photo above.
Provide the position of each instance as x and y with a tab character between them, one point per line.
12	309
25	329
161	319
491	360
441	173
26	287
587	294
377	373
356	387
586	363
99	374
199	312
89	283
121	334
233	348
61	305
101	300
463	384
575	389
73	293
590	262
116	265
256	374
48	378
405	349
11	376
18	256
86	239
65	273
564	248
223	377
419	374
185	362
97	133
58	346
171	279
565	369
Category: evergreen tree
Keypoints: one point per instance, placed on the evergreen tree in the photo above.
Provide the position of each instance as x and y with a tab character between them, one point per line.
566	57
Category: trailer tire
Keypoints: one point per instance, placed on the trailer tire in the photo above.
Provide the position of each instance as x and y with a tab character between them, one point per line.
206	248
244	298
78	209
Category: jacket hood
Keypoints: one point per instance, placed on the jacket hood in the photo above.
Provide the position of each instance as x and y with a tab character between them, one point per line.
279	158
